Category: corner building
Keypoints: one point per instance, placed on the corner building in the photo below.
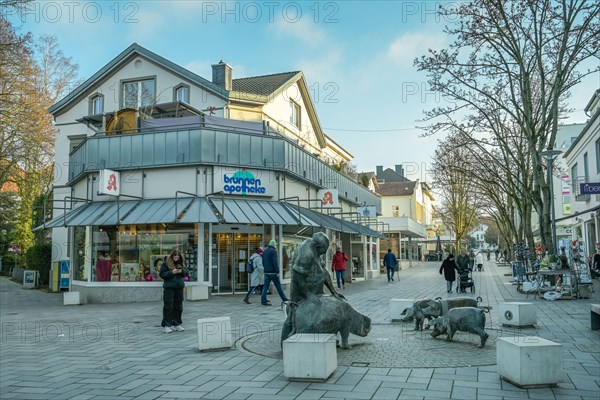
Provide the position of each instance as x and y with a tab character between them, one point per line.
150	156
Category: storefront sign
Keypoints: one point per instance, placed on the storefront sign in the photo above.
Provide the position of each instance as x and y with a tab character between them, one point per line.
244	182
328	197
589	188
110	182
367	211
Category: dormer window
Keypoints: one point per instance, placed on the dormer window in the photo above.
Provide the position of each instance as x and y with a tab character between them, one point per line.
139	94
182	93
97	104
295	114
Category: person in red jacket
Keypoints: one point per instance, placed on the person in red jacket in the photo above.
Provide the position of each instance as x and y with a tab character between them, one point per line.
338	264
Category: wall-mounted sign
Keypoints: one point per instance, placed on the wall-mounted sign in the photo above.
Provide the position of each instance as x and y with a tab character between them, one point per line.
110	182
244	182
589	188
367	211
562	230
328	197
566	184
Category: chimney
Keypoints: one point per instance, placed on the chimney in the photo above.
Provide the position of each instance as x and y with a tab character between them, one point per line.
221	75
399	170
379	171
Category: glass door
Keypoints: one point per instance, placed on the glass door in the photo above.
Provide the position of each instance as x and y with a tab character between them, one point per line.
230	253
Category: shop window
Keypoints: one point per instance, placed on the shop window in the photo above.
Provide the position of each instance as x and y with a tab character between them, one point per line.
135	253
290	245
78	258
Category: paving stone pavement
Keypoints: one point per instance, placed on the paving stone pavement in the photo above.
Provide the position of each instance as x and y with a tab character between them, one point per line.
118	351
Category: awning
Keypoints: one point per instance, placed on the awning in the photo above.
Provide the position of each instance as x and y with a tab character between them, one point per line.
136	212
61	220
199	211
256	212
156	211
330	222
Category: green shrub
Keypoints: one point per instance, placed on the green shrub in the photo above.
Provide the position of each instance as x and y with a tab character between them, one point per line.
39	258
8	262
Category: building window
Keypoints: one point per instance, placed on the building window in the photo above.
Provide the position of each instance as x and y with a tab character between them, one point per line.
75	141
97	104
134	253
395	211
138	94
586	169
295	114
182	93
598	156
574	178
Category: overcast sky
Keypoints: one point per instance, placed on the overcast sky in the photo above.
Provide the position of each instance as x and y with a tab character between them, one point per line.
357	57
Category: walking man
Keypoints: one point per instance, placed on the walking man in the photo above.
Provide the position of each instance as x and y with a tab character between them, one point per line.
271	273
390	263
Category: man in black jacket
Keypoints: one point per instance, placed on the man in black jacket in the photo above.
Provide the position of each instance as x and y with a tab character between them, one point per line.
271	267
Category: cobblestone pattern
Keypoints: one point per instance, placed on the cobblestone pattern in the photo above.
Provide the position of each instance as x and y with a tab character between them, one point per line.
393	346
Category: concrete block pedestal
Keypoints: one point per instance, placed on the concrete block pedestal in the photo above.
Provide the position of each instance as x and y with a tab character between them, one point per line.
198	292
397	306
214	334
517	314
310	357
71	299
530	362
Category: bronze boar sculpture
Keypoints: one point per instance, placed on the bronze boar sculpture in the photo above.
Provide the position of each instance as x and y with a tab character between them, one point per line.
432	308
464	319
310	310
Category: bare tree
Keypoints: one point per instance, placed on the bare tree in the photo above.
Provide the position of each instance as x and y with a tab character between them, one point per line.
452	177
514	62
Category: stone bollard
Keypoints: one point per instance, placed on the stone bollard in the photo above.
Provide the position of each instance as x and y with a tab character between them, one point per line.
71	299
529	362
517	314
309	357
214	333
397	306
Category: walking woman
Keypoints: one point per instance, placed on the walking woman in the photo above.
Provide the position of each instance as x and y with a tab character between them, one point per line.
338	264
173	272
448	266
256	277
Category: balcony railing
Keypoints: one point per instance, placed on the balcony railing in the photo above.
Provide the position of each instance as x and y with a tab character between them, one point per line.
211	147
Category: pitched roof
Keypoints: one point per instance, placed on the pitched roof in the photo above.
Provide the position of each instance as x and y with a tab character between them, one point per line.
389	175
132	51
396	188
263	85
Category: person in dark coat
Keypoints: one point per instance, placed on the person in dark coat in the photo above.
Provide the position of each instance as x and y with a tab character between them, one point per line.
595	270
463	261
271	274
448	266
173	272
390	263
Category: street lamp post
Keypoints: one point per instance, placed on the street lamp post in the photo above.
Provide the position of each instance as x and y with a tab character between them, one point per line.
550	155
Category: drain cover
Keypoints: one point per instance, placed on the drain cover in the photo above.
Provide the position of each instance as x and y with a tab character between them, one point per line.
360	364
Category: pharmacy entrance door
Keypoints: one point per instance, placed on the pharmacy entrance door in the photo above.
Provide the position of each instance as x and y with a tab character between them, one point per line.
230	252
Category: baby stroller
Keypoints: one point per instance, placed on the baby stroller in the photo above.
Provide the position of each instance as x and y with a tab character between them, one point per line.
465	281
